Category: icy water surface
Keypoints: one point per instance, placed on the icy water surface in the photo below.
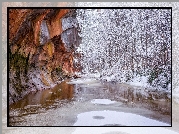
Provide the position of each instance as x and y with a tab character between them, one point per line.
89	102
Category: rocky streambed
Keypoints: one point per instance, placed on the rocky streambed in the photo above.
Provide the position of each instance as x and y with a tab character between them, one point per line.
90	102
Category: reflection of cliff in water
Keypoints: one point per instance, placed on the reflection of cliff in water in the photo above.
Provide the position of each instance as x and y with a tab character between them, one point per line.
48	97
58	97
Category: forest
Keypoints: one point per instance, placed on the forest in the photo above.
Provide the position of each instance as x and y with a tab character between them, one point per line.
127	45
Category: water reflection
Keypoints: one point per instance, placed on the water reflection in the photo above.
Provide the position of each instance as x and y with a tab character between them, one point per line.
64	93
47	97
137	97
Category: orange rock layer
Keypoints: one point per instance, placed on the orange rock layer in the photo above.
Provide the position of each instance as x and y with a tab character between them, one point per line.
25	26
24	32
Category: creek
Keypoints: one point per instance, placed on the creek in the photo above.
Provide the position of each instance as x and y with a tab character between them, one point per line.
92	102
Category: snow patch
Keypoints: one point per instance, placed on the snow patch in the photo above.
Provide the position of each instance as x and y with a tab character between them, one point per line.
91	75
102	101
116	118
139	81
82	81
109	78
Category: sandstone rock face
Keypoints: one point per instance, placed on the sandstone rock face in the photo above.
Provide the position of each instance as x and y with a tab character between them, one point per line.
42	44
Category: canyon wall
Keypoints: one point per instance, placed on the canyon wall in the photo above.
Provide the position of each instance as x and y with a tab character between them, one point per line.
42	44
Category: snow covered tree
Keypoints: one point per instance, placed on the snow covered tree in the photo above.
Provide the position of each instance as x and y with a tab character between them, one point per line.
124	43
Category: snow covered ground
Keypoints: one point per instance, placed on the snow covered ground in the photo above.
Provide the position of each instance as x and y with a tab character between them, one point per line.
102	101
82	81
102	118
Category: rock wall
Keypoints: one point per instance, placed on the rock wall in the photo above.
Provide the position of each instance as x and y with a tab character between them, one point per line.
42	44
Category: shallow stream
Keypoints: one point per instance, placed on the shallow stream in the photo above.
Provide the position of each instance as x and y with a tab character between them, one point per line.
90	102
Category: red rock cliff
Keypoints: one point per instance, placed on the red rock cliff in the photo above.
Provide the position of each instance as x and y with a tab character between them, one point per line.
39	54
